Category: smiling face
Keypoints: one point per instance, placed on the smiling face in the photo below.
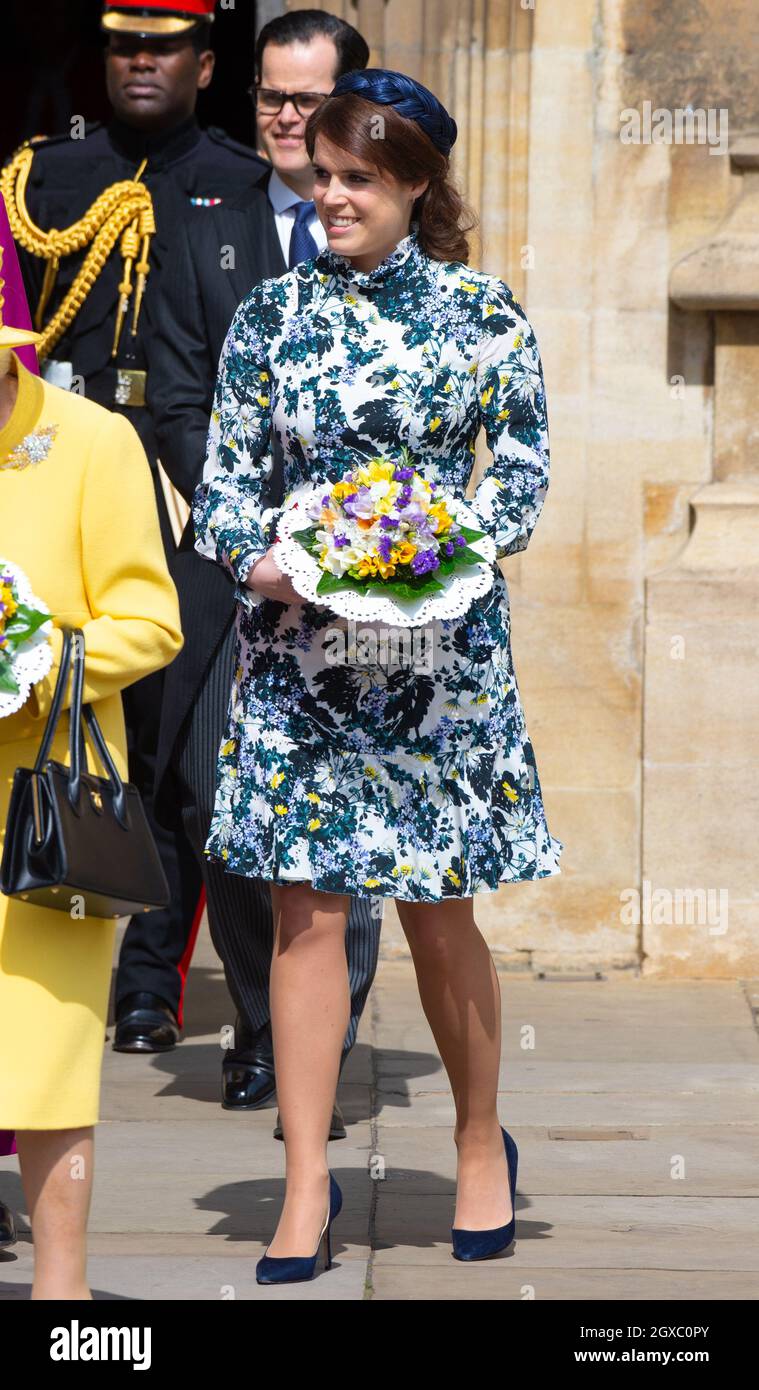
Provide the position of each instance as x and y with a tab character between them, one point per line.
293	67
153	83
364	212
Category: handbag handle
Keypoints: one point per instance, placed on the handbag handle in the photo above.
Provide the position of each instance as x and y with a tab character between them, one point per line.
73	641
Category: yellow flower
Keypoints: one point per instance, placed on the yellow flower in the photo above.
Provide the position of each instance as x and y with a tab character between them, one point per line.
489	309
503	415
518	341
263	376
311	796
276	778
386	568
341	490
424	757
404	553
233	554
394	384
380	471
442	517
351	299
453	877
280	809
468	286
366	565
314	824
228	747
262	401
370	772
510	793
448	386
371	883
225	854
434	423
485	397
405	868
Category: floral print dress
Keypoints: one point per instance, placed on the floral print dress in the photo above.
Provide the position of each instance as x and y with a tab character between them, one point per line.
376	774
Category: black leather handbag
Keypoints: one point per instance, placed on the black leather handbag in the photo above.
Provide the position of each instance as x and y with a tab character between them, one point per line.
75	841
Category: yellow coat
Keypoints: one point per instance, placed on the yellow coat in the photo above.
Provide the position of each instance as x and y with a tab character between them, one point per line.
82	523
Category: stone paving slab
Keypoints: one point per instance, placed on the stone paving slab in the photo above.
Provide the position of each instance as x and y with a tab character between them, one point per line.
586	1231
423	1160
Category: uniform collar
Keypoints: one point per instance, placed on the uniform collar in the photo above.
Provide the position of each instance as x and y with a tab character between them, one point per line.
406	256
159	149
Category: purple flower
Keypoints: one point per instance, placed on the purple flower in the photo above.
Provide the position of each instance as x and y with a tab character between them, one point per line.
340	540
384	546
401	474
459	540
449	547
325	500
359	504
425	560
387	522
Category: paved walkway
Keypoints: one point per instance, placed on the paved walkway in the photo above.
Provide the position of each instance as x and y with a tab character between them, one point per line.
636	1112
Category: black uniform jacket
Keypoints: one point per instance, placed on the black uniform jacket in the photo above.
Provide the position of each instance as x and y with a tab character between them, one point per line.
184	167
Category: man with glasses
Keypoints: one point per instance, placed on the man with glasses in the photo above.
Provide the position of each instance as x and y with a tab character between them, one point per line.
210	267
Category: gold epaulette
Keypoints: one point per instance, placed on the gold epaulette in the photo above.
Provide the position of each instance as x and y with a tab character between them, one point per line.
124	210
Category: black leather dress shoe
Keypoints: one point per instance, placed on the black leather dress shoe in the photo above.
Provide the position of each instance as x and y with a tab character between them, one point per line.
336	1128
7	1227
247	1071
145	1023
246	1085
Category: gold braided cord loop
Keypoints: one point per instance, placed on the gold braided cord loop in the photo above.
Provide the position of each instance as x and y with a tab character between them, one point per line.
111	215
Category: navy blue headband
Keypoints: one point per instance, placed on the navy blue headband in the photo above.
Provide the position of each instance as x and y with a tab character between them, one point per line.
408	97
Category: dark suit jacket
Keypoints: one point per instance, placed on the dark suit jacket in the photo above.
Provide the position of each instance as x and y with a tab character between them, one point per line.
186	332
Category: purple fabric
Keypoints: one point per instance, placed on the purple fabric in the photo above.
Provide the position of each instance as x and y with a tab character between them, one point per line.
15	308
7	1142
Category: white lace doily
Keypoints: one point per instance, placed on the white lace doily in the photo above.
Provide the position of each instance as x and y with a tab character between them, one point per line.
461	587
34	658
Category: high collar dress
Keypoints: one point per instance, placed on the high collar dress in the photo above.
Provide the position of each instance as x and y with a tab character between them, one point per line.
415	780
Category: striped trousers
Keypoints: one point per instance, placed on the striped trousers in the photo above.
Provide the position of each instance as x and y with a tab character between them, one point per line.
239	909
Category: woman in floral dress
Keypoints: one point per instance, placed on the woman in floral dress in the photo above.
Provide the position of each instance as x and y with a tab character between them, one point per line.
358	777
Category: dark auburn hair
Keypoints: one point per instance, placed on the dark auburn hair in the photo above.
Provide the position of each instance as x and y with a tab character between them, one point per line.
301	26
407	154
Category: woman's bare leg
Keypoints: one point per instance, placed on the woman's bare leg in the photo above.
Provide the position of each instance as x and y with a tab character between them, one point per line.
309	995
461	998
56	1171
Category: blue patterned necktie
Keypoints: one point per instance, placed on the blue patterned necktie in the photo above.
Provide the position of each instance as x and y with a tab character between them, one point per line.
302	244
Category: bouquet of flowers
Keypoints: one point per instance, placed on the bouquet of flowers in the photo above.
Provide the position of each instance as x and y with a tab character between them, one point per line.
25	652
385	533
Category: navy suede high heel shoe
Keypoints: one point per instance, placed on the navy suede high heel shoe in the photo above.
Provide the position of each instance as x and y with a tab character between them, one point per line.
289	1269
480	1245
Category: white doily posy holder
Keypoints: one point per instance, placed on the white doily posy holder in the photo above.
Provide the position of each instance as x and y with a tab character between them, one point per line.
33	658
461	586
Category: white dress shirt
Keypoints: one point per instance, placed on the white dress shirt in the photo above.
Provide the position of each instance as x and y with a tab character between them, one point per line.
283	201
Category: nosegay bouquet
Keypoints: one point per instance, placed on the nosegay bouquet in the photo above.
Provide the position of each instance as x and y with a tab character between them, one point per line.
383	529
25	652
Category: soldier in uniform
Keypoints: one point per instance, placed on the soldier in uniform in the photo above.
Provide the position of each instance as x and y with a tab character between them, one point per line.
85	207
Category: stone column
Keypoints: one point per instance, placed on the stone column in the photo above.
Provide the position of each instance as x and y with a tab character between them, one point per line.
701	713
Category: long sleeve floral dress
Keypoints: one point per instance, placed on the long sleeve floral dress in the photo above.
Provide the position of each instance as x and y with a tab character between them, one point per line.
362	776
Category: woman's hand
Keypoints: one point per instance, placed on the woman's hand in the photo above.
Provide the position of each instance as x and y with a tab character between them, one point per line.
266	578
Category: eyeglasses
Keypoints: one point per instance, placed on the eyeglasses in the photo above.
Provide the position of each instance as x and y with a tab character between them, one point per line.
267	100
